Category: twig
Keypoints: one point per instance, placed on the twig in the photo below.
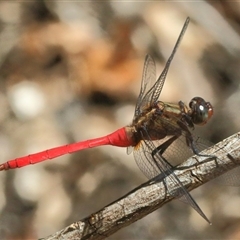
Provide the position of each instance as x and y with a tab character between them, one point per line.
152	195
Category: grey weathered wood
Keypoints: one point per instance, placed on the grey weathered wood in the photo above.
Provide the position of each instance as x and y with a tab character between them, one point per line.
152	195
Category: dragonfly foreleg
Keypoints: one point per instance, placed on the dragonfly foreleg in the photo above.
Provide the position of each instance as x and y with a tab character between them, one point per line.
185	116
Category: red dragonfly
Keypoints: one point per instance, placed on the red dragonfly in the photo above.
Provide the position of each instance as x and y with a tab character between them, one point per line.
155	133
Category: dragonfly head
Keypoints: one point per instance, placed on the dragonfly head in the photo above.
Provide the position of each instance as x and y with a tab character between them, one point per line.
201	111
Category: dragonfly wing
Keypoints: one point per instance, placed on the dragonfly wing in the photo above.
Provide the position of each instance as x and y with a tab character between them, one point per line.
156	165
153	94
148	80
159	83
230	178
177	152
143	157
160	163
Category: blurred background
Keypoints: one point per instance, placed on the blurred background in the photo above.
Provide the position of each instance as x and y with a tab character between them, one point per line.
71	71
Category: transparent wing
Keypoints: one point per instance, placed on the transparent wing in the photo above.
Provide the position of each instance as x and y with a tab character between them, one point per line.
175	154
179	151
230	178
143	157
157	88
155	164
148	79
150	88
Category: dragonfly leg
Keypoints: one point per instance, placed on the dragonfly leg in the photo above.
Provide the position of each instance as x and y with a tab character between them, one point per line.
190	141
185	116
165	167
163	147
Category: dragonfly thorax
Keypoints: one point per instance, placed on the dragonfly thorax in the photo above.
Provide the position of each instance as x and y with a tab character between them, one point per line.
157	121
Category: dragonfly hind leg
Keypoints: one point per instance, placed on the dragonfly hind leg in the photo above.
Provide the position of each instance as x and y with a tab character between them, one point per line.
162	148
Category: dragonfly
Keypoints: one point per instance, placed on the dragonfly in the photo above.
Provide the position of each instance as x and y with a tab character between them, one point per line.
156	128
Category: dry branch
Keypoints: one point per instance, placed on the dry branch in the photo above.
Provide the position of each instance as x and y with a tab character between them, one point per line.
152	195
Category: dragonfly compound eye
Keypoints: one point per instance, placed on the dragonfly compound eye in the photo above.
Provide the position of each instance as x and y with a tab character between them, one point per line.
201	111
